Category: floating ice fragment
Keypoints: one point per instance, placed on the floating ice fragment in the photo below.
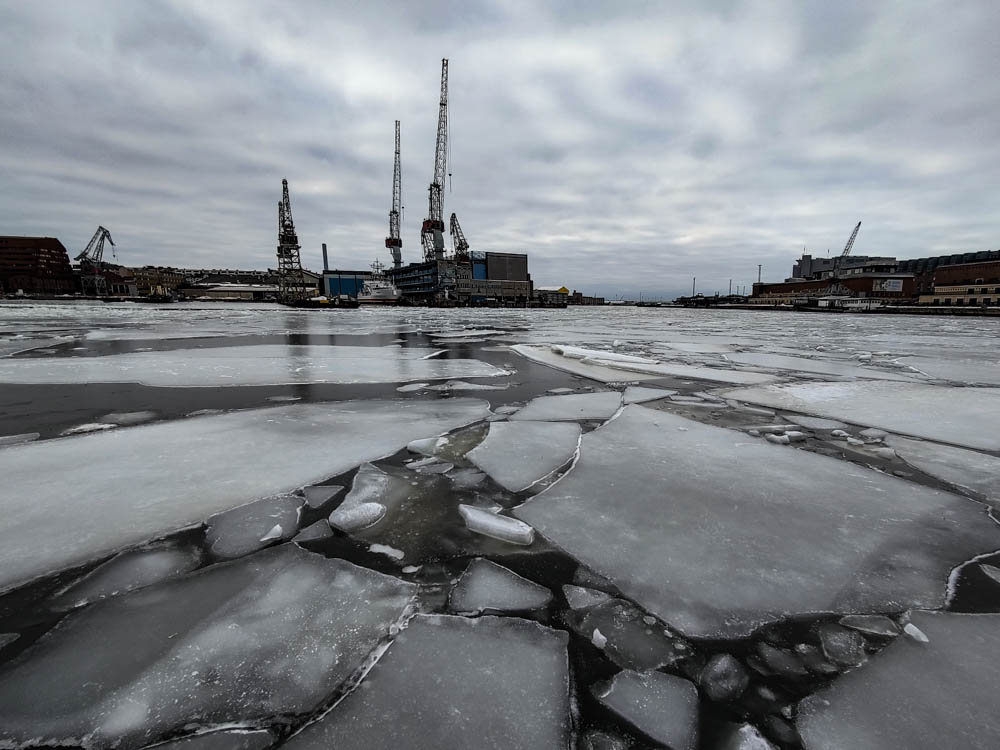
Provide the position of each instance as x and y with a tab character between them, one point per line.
840	434
661	706
411	568
743	737
89	427
842	645
8	638
319	495
246	529
595	739
122	487
425	446
915	633
559	391
871	624
313	532
504	528
129	417
385	549
446	682
25	437
598	639
466	478
815	423
637	394
724	678
410	387
881	547
807	364
969	470
874	434
357	517
518	454
233	739
600	405
488	587
270	635
778	439
631	642
578	597
461	385
273	535
920	696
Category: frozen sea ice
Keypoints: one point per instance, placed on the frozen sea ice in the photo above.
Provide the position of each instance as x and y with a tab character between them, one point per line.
518	454
488	587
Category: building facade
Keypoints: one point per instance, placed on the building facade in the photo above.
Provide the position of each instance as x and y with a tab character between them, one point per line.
35	265
485	278
888	288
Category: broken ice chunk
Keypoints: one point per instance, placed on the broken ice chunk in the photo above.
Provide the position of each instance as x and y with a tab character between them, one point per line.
647	510
466	478
600	405
410	387
8	638
915	633
425	447
920	696
578	597
873	434
456	683
313	532
598	639
89	427
129	571
871	624
632	641
357	517
518	454
815	423
270	635
504	528
637	394
251	527
843	646
25	437
232	739
129	417
385	549
743	737
991	571
724	678
488	587
969	470
320	494
661	706
778	439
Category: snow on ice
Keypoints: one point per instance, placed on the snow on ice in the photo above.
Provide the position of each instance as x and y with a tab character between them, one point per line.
804	533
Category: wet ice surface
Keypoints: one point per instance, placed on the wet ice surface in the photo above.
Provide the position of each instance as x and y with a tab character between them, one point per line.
702	526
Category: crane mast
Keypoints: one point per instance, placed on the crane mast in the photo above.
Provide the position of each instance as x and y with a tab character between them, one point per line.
290	285
458	238
432	232
393	242
847	247
92	263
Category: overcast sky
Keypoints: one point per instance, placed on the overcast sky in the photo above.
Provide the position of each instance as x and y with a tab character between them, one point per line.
625	146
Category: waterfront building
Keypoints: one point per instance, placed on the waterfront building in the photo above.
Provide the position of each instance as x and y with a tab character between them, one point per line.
35	265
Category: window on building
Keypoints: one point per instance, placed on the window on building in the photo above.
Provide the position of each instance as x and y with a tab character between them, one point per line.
972	301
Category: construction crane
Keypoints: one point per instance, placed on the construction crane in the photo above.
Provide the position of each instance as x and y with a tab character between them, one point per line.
393	242
847	249
92	264
290	287
432	231
458	238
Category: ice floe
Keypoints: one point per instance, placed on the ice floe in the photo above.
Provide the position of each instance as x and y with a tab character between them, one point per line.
963	416
265	637
123	487
637	394
977	472
808	364
518	454
504	528
915	695
647	510
231	739
601	405
491	588
251	527
446	682
663	707
24	437
264	364
632	639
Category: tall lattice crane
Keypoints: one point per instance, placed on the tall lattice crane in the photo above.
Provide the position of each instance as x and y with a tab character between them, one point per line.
847	248
290	286
458	238
92	263
393	242
432	232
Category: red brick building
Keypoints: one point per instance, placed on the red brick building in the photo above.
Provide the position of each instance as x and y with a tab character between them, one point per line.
35	265
885	287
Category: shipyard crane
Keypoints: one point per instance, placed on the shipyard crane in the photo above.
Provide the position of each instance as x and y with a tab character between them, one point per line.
432	231
847	248
92	263
393	242
290	287
458	237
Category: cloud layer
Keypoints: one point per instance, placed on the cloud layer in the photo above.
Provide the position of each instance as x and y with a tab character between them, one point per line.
625	146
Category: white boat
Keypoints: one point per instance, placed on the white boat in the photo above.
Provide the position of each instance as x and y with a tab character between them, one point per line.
378	290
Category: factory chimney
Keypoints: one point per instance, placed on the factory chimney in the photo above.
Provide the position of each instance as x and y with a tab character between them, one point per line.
326	264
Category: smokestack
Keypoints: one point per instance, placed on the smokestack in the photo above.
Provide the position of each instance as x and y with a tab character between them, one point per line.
326	264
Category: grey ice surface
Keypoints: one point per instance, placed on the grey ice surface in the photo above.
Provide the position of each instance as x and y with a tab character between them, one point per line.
812	364
662	706
488	587
123	487
266	364
24	437
646	506
445	682
232	739
963	416
270	635
518	454
962	370
496	526
744	737
132	570
913	695
815	423
637	394
970	470
579	597
600	405
319	530
129	417
251	527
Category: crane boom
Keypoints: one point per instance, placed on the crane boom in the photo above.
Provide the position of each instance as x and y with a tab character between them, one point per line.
850	242
290	286
458	237
92	263
432	232
393	241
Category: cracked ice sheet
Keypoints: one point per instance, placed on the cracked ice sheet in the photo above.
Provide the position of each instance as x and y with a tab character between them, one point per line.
456	683
600	405
918	696
271	635
978	472
247	365
959	370
809	364
72	500
518	454
963	416
717	533
602	366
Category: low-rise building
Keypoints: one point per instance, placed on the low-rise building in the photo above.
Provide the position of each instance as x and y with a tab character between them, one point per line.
965	284
888	288
578	298
552	295
35	265
484	278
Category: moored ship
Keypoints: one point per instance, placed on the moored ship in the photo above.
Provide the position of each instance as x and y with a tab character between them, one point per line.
378	290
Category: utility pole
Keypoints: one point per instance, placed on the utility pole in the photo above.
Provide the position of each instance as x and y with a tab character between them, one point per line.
693	279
